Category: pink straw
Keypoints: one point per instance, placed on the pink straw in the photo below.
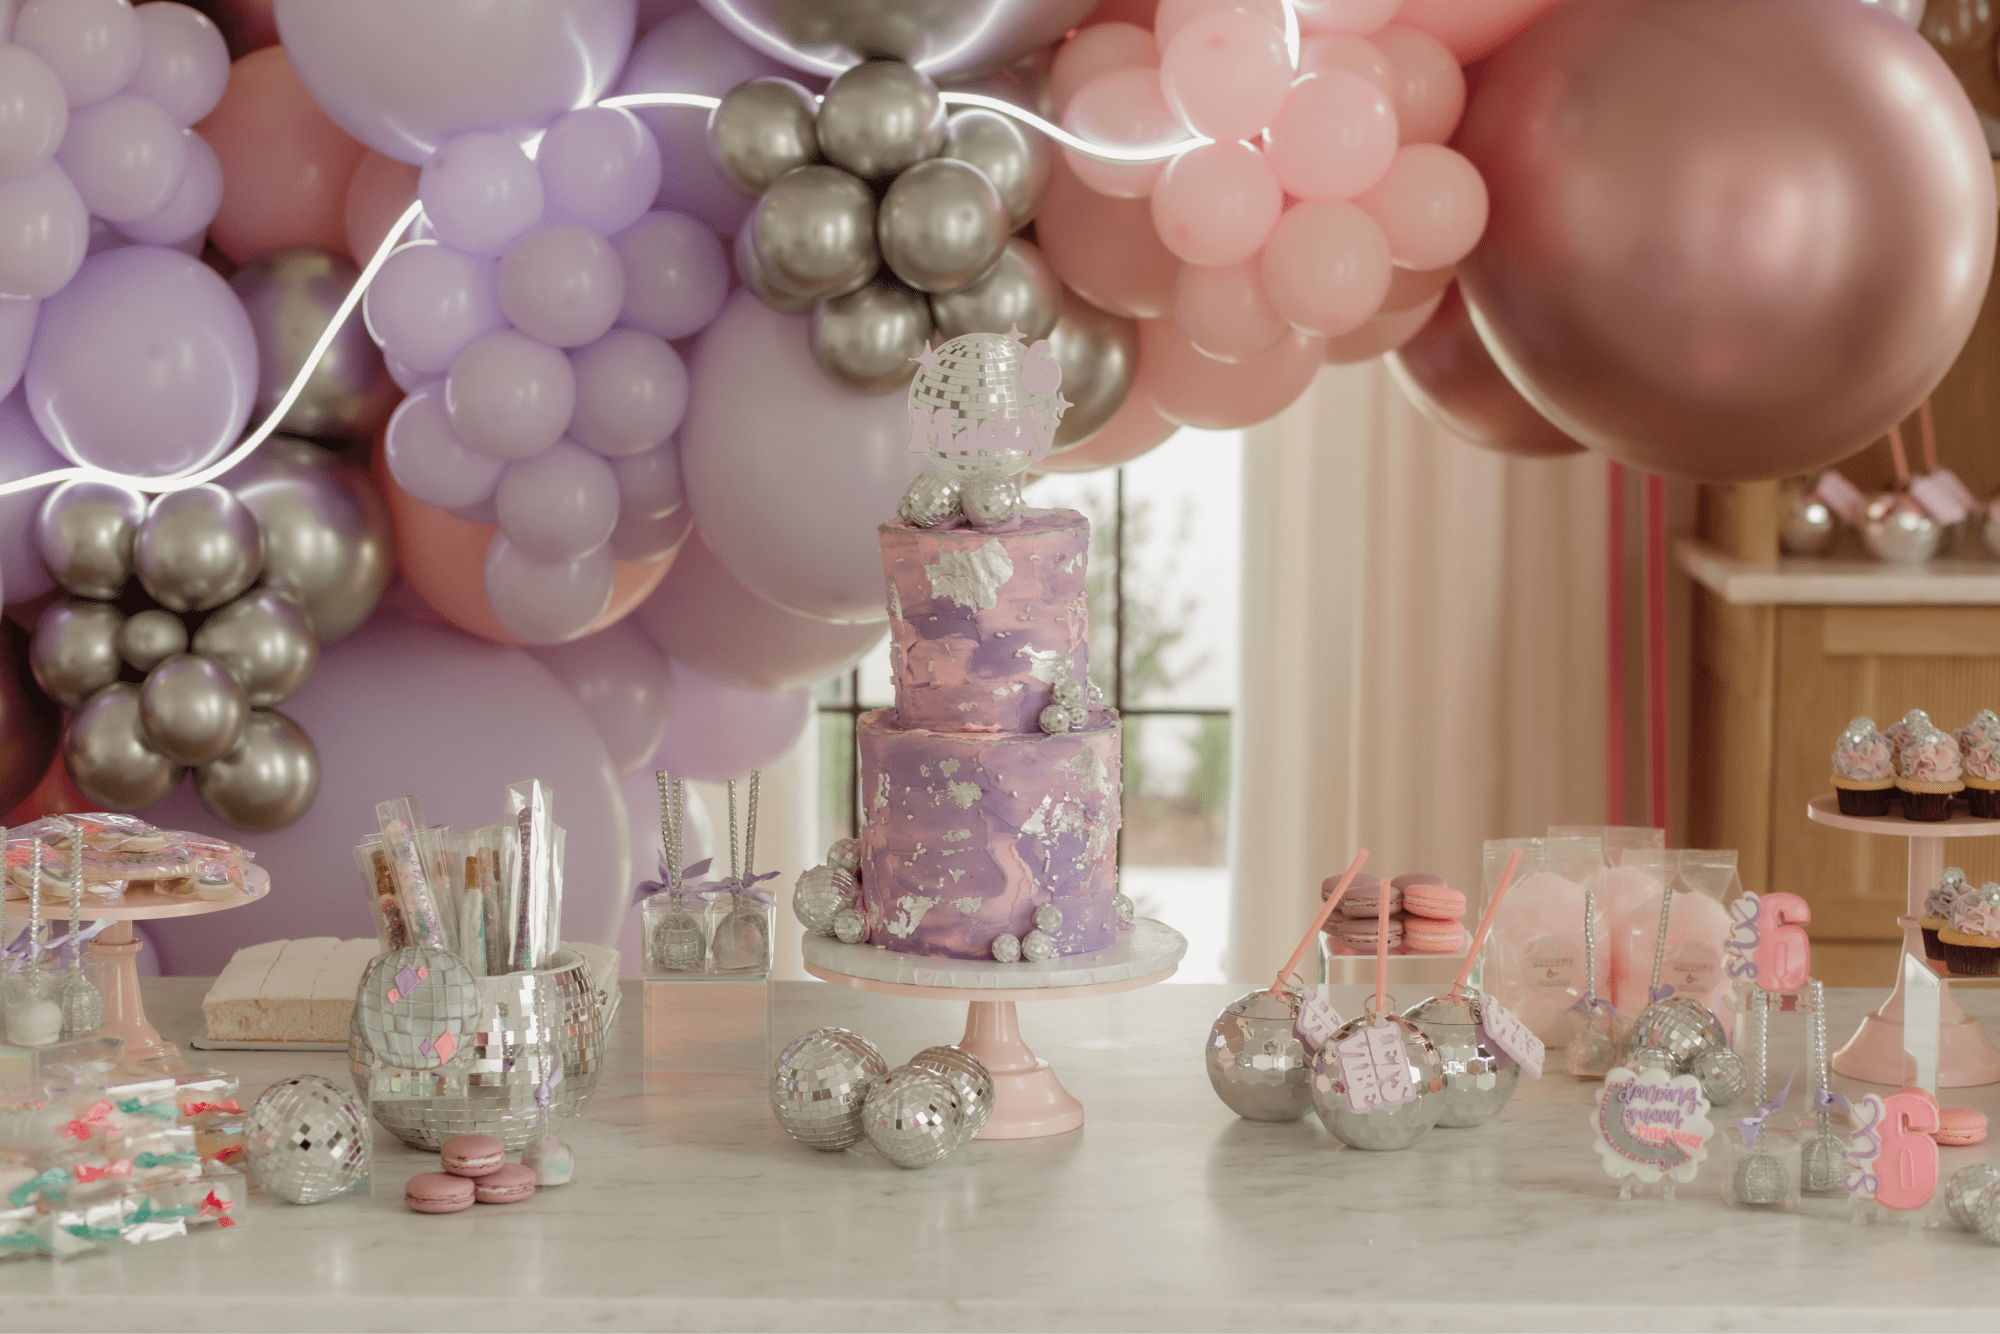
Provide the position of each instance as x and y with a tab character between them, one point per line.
1655	601
1896	452
1325	911
1381	949
1929	429
1486	922
1614	642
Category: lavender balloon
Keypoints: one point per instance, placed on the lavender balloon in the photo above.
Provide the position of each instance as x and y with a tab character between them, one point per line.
44	232
427	458
649	484
480	192
17	334
676	277
623	682
183	61
631	391
600	167
92	45
124	155
509	395
37	111
719	731
558	506
192	205
24	453
562	284
544	603
428	303
166	332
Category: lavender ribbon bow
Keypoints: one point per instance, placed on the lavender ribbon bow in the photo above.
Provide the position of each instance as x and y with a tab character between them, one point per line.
1826	1100
1591	1004
1753	1125
1660	993
648	888
22	948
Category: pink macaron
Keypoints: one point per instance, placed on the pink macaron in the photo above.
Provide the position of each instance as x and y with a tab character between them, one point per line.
1431	935
1959	1125
1361	879
438	1193
1359	933
509	1184
473	1155
1428	896
1365	901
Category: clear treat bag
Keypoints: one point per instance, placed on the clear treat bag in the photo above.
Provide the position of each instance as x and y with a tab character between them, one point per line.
1534	962
1703	883
742	915
672	913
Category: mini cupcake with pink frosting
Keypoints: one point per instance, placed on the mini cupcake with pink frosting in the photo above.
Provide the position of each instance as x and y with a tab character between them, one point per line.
1864	777
1979	756
1971	944
1897	734
1931	774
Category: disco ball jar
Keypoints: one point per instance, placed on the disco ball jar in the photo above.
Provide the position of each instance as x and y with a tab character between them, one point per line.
1478	1079
1384	1128
1256	1064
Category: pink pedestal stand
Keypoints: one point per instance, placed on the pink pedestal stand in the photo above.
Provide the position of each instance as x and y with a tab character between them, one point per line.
1875	1053
116	951
1028	1100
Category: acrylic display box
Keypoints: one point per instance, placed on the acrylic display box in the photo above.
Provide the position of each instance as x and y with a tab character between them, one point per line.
708	991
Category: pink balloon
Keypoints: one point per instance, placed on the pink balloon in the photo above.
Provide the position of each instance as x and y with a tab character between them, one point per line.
631	392
1173	15
1410	288
1428	88
676	276
124	155
1323	53
1095	50
480	192
1471	29
1334	137
649	484
1105	249
1327	267
623	682
1357	17
92	45
1450	376
429	461
1136	427
558	506
1225	73
600	167
408	706
183	61
192	205
429	303
561	284
543	603
1431	204
23	453
719	732
701	616
34	111
1123	108
1215	205
381	189
510	395
17	333
44	232
1193	390
1384	333
1225	313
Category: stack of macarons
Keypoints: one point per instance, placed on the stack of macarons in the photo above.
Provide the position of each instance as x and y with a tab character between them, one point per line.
1957	1126
1426	916
476	1171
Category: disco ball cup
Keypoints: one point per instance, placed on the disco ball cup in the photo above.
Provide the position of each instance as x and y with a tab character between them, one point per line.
1478	1079
307	1140
1385	1128
1723	1076
984	406
1681	1026
1256	1064
1962	1193
1808	527
818	1086
1643	1059
1899	531
969	1079
912	1117
1823	1165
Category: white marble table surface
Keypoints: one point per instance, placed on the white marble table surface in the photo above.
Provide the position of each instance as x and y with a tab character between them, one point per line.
1164	1212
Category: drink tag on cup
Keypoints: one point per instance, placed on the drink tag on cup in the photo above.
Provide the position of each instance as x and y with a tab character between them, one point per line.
1375	1067
1842	497
1316	1024
1938	498
1506	1031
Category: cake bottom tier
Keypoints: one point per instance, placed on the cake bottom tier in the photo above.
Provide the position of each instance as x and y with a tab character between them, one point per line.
965	835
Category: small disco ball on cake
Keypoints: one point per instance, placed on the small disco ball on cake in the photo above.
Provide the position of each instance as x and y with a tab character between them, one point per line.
983	406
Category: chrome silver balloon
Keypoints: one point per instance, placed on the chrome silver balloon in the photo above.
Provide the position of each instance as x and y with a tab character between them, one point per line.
762	129
327	536
1020	292
1384	1128
74	652
912	1117
942	225
963	37
1255	1063
969	1079
931	499
265	640
1478	1079
198	548
1808	527
750	270
1099	356
85	532
1019	161
268	780
193	711
108	756
879	118
869	340
290	296
150	637
819	1085
814	232
1898	531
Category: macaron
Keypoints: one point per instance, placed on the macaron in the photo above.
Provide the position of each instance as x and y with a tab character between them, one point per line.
473	1155
1431	935
1433	898
438	1193
510	1183
1364	900
1959	1125
1361	879
1360	933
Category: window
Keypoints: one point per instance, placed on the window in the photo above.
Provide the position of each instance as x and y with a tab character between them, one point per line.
1166	541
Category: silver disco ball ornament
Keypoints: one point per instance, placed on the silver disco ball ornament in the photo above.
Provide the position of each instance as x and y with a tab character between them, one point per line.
1808	527
416	1008
990	501
912	1117
1723	1076
1643	1059
850	926
984	404
819	1083
1985	1210
1478	1079
1758	1178
932	498
1682	1026
845	854
1823	1165
969	1079
821	892
1898	530
1385	1128
1962	1192
1256	1064
306	1140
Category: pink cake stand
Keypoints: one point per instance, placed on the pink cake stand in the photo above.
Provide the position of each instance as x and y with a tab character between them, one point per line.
1875	1053
1028	1100
118	951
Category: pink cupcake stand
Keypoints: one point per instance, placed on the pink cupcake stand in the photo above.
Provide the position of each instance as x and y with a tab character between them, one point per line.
1028	1100
1875	1054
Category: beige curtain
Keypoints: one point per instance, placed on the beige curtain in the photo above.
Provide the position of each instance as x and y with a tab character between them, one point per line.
1423	648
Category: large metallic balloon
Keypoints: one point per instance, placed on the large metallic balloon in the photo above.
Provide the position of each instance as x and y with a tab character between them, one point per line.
1099	355
263	639
75	650
751	270
192	710
198	548
290	295
30	722
942	225
327	537
761	130
879	118
869	340
1018	161
814	230
939	36
150	637
108	756
1451	378
268	780
1727	241
1020	292
85	531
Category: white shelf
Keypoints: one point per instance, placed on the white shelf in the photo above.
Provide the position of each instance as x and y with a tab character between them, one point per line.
1833	582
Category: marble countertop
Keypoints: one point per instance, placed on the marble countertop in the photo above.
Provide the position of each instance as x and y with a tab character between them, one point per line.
1164	1212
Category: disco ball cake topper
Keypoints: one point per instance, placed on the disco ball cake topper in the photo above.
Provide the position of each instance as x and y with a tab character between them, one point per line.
984	405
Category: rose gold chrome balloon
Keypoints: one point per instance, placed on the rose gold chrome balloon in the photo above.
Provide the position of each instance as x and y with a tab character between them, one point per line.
1449	375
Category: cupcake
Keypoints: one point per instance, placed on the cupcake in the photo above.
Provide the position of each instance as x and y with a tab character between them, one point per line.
1979	756
1982	722
1897	734
1937	910
1930	775
1864	778
1971	944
